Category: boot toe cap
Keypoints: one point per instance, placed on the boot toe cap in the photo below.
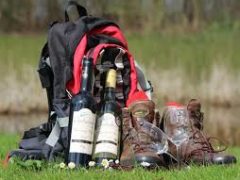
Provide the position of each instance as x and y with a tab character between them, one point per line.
152	159
224	159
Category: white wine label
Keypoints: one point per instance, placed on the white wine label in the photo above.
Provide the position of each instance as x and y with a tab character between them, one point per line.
106	148
107	134
82	131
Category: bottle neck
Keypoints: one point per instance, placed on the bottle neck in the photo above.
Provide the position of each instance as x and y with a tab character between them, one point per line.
87	76
109	94
110	85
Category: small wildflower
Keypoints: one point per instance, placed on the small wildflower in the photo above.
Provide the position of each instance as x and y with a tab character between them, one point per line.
91	163
62	165
11	160
71	165
105	163
145	164
116	161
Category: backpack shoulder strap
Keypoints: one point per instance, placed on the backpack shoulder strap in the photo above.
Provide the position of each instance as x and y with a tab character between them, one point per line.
81	10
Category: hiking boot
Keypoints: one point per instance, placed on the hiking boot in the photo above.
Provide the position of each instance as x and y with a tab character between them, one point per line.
193	145
136	142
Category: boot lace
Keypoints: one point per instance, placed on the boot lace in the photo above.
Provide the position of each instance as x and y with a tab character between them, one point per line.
138	144
205	146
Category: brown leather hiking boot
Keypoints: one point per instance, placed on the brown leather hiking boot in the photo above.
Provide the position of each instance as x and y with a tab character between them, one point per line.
194	146
136	142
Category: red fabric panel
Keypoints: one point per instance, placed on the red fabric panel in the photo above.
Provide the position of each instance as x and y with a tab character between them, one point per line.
74	84
136	96
175	104
112	31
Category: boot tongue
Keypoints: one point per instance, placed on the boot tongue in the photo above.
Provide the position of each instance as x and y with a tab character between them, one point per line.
195	114
194	106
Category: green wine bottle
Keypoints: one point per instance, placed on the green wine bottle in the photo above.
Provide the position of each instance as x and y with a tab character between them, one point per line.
108	124
82	120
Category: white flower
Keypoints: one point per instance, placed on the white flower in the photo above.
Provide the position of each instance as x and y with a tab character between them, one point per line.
11	160
145	164
62	165
116	161
91	163
105	163
71	165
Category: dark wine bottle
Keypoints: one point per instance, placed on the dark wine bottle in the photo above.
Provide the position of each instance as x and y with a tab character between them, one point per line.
108	123
82	120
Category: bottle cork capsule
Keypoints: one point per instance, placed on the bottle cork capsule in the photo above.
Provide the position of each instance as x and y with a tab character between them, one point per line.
111	78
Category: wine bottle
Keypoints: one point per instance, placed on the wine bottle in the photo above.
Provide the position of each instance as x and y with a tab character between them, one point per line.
108	123
82	120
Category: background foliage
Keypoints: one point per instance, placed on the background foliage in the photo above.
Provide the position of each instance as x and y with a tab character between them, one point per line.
150	15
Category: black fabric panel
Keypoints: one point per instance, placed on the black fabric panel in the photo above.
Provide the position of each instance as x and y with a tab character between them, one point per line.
109	56
77	29
27	154
59	150
34	143
94	40
81	10
33	132
46	77
45	72
126	72
44	52
61	66
61	107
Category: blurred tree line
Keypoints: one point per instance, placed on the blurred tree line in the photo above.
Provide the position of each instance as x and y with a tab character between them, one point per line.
144	15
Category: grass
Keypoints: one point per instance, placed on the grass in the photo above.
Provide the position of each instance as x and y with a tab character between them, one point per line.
195	52
9	142
18	50
180	65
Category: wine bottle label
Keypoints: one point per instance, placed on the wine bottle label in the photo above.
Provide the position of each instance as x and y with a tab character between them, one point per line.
107	134
82	131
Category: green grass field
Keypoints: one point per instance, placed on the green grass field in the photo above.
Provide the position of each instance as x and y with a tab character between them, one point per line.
9	142
195	52
202	65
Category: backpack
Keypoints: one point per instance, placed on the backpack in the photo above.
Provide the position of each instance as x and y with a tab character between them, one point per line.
60	68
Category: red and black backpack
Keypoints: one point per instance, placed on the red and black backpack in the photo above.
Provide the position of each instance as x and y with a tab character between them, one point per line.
60	73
